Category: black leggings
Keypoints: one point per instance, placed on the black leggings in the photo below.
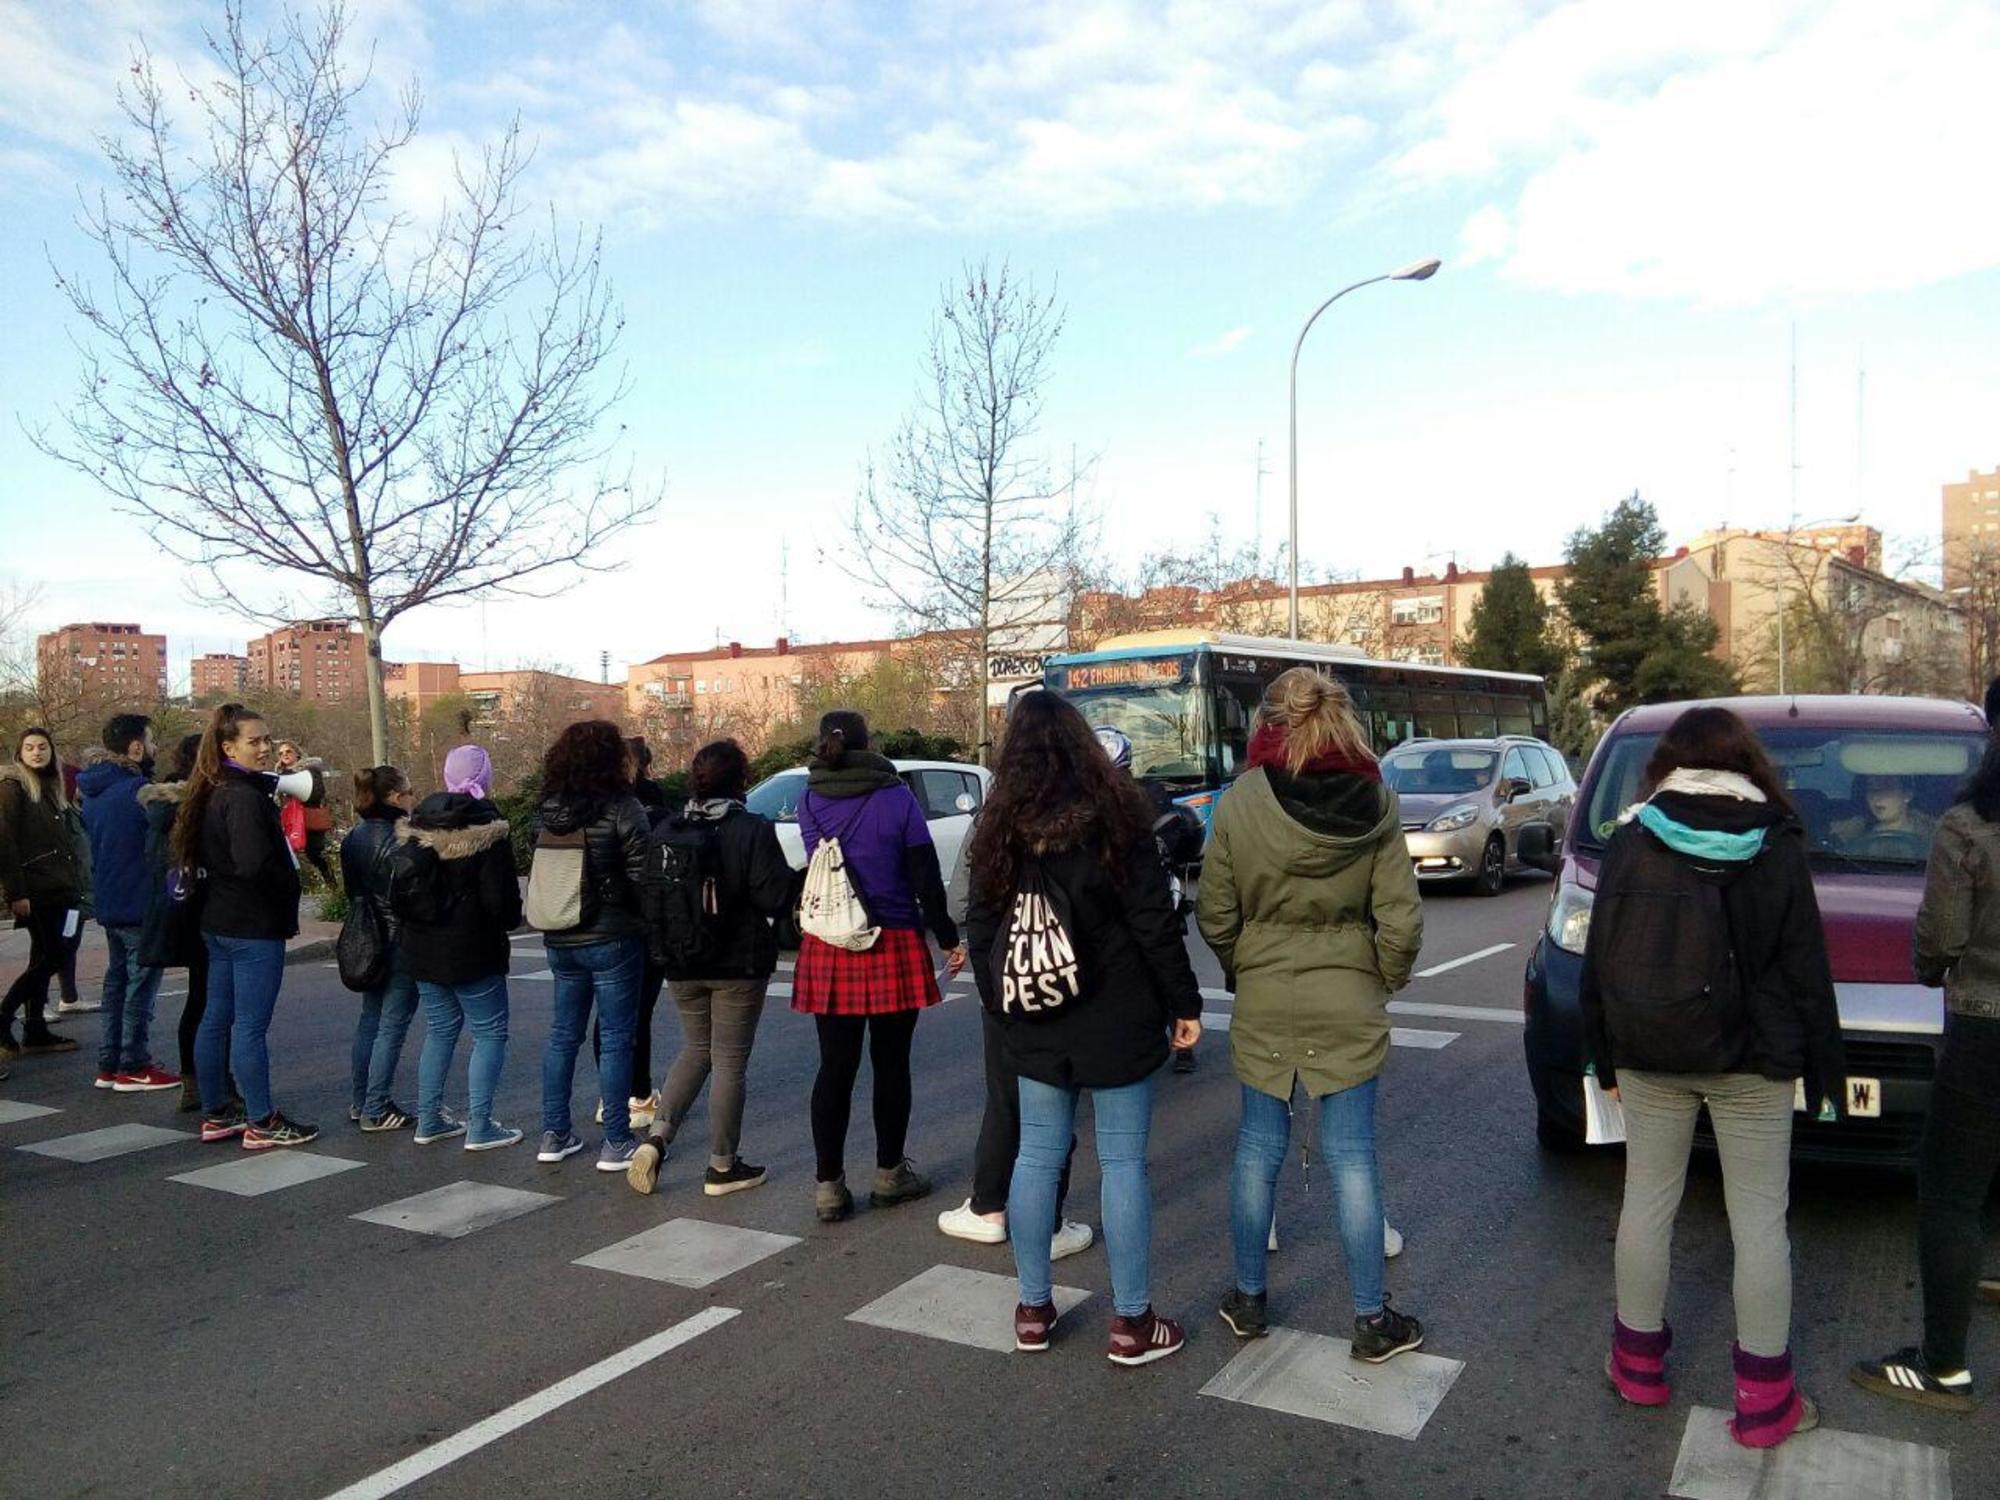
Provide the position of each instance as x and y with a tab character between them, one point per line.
191	1011
48	951
1000	1130
651	978
1961	1154
889	1039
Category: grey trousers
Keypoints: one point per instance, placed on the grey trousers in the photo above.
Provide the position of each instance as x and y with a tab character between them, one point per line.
1752	1117
718	1028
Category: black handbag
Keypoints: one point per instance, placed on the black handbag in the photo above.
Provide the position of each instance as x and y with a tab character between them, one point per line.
181	941
363	951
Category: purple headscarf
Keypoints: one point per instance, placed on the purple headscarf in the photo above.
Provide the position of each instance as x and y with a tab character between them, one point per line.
469	770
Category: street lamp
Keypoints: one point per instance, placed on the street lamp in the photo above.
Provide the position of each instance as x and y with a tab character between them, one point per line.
1422	270
1791	529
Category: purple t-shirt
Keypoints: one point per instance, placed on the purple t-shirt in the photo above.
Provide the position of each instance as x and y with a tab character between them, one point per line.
873	830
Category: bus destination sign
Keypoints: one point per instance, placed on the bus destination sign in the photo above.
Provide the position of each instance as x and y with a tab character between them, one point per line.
1097	674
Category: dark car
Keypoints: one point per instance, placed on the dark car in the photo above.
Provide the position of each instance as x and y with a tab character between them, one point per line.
1869	778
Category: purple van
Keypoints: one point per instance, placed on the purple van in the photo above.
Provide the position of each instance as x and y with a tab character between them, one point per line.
1869	778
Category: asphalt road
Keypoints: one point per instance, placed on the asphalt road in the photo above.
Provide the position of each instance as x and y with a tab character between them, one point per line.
159	1338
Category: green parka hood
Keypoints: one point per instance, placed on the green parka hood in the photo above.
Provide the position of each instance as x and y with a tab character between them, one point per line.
1317	825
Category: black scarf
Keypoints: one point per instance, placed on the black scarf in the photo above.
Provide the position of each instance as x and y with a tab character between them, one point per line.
859	773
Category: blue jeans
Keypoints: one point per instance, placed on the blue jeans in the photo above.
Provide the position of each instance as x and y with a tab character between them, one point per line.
243	979
1347	1143
129	991
1048	1125
448	1008
608	975
378	1041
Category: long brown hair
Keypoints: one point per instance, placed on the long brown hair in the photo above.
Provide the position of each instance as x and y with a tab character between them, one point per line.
224	725
51	775
1714	739
589	762
1317	717
1053	788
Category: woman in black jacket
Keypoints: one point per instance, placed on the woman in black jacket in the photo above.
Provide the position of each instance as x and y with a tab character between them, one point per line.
600	957
458	896
44	883
1705	982
382	799
228	835
718	964
164	943
1078	947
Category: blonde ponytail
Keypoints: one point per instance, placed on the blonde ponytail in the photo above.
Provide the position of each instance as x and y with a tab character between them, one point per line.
1317	717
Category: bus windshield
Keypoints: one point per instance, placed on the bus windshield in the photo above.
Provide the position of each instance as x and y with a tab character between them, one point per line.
1168	727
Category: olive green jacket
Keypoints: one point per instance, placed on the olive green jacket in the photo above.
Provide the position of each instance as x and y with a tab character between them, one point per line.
1308	899
1957	938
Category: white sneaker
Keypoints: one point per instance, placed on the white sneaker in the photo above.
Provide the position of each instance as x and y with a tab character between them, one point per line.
77	1007
962	1223
1392	1240
1070	1238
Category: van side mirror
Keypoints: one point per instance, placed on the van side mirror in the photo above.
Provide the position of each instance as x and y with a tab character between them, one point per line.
1536	848
1515	788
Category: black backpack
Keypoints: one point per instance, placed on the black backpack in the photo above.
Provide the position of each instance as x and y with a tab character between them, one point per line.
419	889
681	896
1037	973
1667	963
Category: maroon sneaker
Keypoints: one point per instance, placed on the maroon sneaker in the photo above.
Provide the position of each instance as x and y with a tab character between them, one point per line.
1141	1340
147	1080
1032	1326
106	1080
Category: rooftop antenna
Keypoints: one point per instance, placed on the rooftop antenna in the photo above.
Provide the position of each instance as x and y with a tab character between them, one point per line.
604	666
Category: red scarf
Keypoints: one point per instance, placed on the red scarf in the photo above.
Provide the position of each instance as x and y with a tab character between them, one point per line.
1267	749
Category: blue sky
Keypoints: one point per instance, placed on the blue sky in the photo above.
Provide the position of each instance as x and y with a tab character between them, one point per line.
1635	203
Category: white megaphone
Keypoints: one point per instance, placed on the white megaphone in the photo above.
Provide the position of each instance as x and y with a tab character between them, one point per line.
298	785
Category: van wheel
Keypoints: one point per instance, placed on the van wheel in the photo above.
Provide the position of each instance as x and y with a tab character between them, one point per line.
1492	868
1556	1137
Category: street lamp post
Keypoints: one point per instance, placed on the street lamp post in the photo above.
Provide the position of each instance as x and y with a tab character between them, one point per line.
1792	526
1421	270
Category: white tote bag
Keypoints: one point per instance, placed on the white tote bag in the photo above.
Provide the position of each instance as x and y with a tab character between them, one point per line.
830	908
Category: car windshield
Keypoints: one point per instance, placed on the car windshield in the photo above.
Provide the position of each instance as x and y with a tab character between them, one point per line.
1440	771
777	797
1168	727
1867	798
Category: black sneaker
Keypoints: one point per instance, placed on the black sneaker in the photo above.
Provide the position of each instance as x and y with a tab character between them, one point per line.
739	1176
1384	1336
1183	1059
267	1135
1244	1313
1907	1377
395	1117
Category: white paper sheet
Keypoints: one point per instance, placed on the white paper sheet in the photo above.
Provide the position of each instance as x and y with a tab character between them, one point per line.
71	921
1603	1116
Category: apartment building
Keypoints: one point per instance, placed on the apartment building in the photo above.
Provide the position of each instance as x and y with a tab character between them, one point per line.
101	662
322	661
217	674
1971	526
737	688
520	694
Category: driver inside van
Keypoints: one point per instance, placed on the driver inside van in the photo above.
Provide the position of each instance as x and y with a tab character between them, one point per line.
1893	817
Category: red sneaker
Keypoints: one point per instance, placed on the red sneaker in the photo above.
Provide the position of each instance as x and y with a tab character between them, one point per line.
223	1127
1141	1340
147	1080
1032	1327
107	1080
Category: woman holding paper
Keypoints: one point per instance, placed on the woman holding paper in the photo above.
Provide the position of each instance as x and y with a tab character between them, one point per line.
1705	981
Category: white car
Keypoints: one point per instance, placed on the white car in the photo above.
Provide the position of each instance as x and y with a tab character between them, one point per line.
948	791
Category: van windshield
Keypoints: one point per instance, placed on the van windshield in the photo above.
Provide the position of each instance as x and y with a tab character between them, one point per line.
1867	798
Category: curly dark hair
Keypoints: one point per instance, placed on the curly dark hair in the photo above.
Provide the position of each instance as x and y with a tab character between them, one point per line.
719	769
588	761
1053	788
1715	739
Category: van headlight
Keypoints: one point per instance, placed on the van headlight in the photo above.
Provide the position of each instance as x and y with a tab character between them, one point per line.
1454	818
1569	917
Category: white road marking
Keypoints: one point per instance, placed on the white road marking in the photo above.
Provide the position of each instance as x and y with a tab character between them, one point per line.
1459	963
1218	995
1404	1036
1215	1020
428	1461
1456	1012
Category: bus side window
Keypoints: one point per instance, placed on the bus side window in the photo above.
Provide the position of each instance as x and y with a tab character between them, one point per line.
1437	715
1236	701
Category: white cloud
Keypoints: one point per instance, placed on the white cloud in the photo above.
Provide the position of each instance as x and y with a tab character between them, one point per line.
1226	342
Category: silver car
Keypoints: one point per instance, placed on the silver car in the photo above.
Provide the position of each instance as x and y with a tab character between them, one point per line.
1465	803
950	794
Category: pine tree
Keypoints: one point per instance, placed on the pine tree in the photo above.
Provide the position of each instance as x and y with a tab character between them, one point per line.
1508	629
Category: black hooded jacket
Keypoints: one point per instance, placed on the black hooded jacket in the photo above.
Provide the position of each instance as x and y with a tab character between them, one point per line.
1789	1024
614	862
476	858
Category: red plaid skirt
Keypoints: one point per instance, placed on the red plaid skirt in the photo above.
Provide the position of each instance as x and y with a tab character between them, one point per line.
894	975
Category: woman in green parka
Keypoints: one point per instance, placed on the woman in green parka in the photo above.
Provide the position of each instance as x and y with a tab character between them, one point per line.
1308	899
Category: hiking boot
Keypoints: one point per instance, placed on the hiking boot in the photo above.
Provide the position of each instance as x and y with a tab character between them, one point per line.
1141	1340
642	1174
832	1201
1244	1313
1906	1376
734	1178
901	1183
1384	1336
268	1135
392	1118
225	1124
556	1146
1032	1326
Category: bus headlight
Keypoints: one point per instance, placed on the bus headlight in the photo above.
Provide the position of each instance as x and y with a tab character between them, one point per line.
1454	818
1569	917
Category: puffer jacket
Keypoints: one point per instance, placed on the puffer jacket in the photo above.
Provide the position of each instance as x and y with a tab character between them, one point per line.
364	872
476	857
109	788
1957	940
1309	901
614	862
253	881
43	854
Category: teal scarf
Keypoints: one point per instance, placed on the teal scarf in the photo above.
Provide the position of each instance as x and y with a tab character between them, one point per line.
1702	843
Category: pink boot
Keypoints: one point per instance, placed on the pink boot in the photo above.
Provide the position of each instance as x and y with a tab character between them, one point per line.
1769	1408
1637	1364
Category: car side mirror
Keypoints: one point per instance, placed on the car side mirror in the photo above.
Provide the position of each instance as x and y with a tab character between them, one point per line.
965	804
1536	848
1515	788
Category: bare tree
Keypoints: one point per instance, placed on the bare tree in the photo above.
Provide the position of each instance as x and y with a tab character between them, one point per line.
288	373
1849	629
963	529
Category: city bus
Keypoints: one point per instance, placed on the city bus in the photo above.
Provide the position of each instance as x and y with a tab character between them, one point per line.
1185	699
